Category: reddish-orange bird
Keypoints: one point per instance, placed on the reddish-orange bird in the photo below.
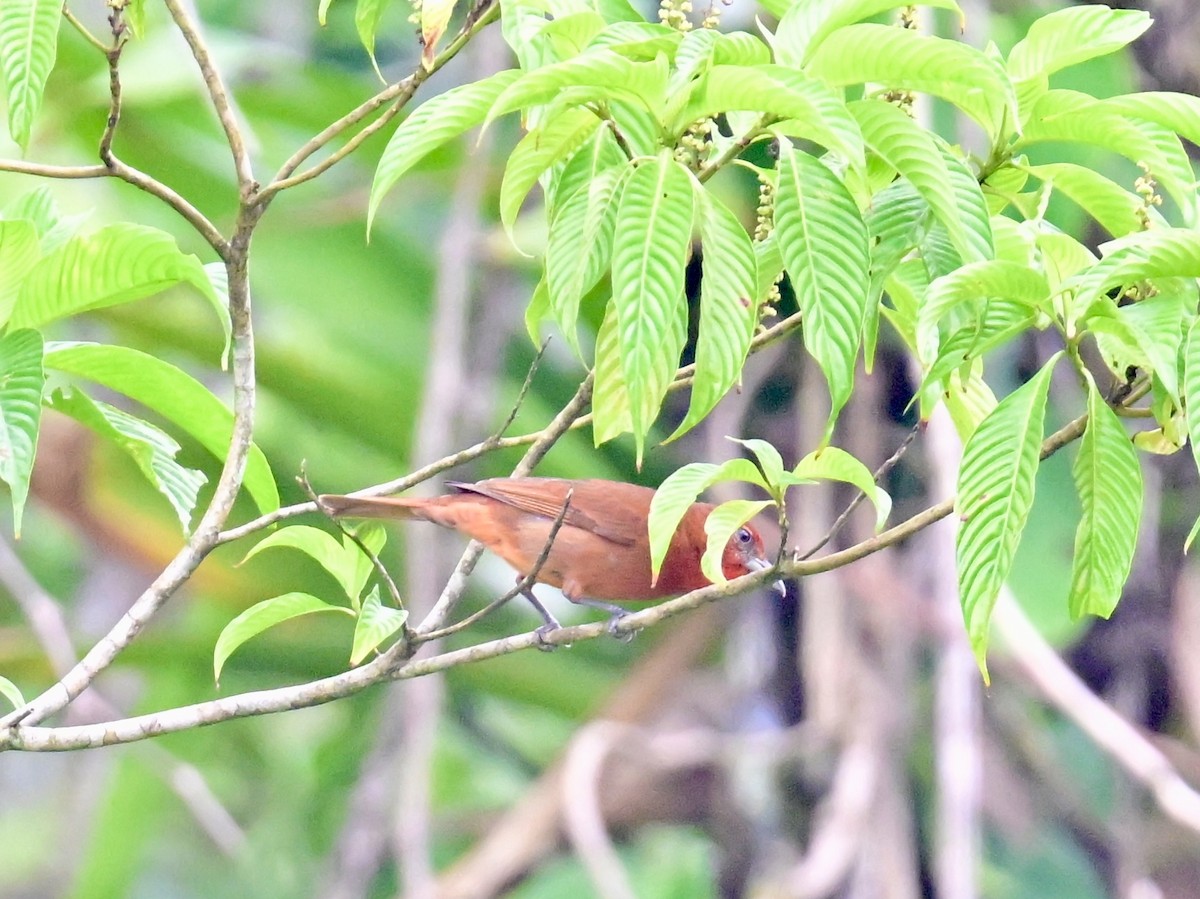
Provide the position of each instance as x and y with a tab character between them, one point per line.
601	551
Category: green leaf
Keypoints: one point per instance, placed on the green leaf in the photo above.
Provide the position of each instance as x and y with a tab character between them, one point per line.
570	34
1067	37
1174	111
1146	255
433	124
21	382
38	207
647	278
10	692
541	148
979	280
376	622
1061	115
373	536
910	150
19	251
637	40
600	74
610	400
1108	480
173	394
117	264
995	493
150	448
28	44
1113	207
973	215
900	59
807	23
580	246
677	493
728	307
588	163
367	16
969	401
719	527
810	108
341	561
537	311
769	462
261	616
823	240
833	464
999	321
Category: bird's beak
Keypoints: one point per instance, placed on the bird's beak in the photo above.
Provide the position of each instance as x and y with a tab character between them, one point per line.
757	564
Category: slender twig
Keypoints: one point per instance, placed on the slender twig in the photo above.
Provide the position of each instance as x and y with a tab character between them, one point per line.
217	92
42	170
75	23
522	585
879	473
398	94
114	167
524	391
113	55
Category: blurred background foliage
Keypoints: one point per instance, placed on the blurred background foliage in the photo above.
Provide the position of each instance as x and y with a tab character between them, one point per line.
307	803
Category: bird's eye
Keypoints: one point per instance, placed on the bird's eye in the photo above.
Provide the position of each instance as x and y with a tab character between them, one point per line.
743	536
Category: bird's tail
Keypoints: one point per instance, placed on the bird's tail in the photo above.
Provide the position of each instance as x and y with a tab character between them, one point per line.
375	506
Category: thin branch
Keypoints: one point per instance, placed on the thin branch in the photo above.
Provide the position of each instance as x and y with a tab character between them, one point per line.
113	55
523	584
118	169
42	170
75	23
524	391
880	472
217	93
398	94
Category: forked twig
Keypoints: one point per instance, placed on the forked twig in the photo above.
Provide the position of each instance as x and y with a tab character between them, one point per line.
522	585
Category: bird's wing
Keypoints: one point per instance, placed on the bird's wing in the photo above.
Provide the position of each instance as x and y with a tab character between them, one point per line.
545	497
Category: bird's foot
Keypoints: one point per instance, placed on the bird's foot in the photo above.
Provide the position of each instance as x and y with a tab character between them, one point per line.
614	624
542	633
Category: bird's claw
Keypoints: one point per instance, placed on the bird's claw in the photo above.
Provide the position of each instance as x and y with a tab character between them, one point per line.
614	622
542	633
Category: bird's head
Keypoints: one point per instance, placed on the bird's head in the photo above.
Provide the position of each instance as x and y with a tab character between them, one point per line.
745	553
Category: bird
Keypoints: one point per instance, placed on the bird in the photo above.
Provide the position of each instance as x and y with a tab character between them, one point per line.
601	552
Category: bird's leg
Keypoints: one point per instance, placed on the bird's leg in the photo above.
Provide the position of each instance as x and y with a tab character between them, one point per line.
551	623
615	614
